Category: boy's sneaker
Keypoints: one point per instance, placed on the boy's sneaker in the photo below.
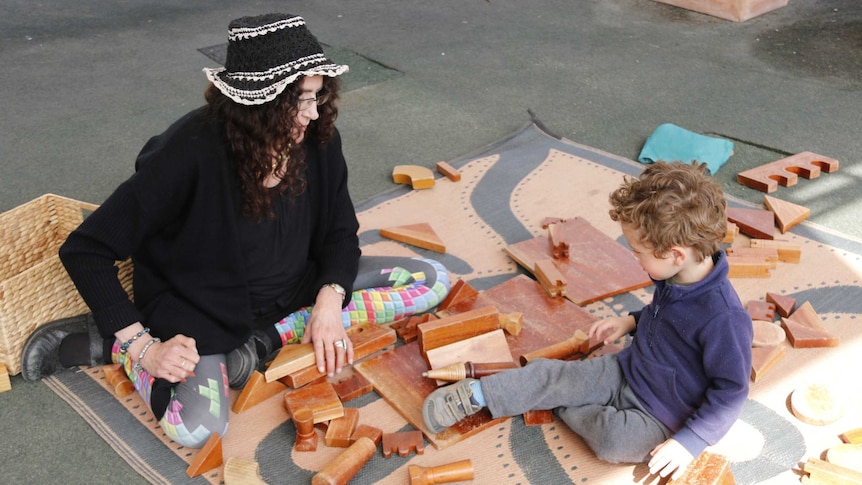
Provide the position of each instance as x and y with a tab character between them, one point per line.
448	405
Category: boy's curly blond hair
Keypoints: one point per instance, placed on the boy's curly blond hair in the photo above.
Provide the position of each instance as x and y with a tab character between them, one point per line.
673	204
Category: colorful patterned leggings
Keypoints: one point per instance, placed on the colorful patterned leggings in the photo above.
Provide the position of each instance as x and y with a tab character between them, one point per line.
389	288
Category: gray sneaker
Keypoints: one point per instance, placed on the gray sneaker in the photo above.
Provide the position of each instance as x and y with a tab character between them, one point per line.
448	405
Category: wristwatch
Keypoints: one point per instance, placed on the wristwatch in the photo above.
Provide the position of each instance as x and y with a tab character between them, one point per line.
338	288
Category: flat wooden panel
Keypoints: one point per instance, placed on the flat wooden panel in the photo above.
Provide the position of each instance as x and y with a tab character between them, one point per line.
598	267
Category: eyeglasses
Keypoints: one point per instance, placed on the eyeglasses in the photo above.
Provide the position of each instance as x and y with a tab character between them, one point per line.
304	104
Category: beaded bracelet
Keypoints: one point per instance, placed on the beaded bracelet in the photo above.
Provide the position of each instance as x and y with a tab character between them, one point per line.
152	341
125	347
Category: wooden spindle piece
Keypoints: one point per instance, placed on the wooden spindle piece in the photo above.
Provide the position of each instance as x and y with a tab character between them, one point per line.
452	472
463	370
579	342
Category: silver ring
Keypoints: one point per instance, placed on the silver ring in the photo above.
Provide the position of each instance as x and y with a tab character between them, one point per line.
339	343
183	365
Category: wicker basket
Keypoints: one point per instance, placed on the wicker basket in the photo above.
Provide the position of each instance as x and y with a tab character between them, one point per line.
34	287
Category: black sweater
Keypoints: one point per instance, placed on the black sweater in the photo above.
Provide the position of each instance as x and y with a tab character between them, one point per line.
177	217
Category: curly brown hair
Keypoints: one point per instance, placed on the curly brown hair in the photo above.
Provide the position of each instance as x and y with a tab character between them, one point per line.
673	204
256	132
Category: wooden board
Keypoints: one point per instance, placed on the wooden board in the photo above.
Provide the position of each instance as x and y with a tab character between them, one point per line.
597	268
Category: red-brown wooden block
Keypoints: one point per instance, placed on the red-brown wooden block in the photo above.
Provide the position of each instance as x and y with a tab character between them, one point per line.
559	248
346	465
209	457
764	358
403	443
767	333
458	471
444	331
786	171
306	436
461	294
801	336
761	310
340	430
757	223
350	385
320	398
539	417
368	431
448	171
256	391
551	279
784	304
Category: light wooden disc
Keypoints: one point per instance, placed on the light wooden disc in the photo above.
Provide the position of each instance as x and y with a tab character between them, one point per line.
816	404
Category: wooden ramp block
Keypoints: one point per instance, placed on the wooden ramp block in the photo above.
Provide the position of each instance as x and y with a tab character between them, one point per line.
788	252
344	467
758	223
707	469
824	473
403	443
256	391
461	294
416	176
419	235
209	457
290	358
320	398
786	171
242	471
764	358
787	214
341	429
448	171
816	404
784	304
767	334
451	472
5	382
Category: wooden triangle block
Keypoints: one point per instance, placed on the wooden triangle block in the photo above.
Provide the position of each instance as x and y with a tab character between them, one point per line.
803	336
209	457
757	223
461	294
290	358
763	358
805	314
784	304
419	235
256	391
787	214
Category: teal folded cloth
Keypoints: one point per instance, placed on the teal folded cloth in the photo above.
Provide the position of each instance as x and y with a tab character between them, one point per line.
670	143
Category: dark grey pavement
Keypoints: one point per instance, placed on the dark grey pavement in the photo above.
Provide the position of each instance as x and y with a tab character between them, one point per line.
85	83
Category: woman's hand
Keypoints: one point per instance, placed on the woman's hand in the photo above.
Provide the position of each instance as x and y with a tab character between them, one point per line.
173	360
612	328
332	347
669	456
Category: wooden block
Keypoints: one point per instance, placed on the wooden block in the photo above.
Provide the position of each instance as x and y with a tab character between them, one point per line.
768	255
320	398
787	214
449	171
784	304
444	331
460	294
487	347
787	251
242	471
290	358
419	235
370	432
344	467
367	339
559	248
448	473
5	382
117	379
746	267
546	222
761	310
416	176
758	223
256	391
350	385
463	370
512	323
341	429
764	358
730	233
209	457
767	334
816	404
707	469
406	327
802	336
578	343
823	472
306	436
807	315
403	443
539	417
853	436
848	455
586	272
550	277
786	171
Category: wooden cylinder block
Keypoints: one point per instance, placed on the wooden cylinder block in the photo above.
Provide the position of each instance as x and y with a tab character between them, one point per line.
452	472
341	470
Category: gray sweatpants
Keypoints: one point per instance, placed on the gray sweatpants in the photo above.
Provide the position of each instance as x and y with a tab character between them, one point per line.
592	397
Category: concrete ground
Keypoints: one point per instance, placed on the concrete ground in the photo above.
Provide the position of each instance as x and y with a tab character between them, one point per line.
86	83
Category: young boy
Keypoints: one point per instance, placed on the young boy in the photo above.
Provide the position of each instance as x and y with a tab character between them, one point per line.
683	380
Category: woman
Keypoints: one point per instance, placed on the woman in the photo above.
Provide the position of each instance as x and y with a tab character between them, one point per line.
239	222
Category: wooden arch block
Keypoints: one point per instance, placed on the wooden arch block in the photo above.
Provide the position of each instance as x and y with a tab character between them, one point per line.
787	214
403	443
209	457
417	176
419	235
786	171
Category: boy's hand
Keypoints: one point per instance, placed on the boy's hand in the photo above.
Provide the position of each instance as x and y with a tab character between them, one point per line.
612	328
669	456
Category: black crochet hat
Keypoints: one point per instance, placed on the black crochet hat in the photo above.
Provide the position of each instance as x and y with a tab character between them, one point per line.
267	53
